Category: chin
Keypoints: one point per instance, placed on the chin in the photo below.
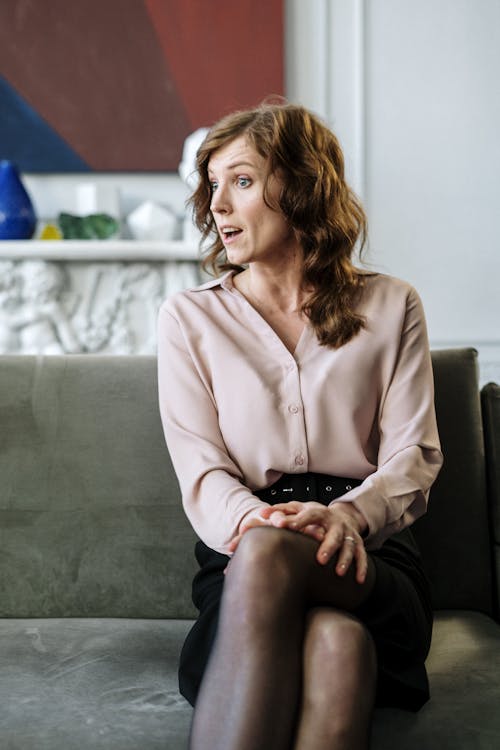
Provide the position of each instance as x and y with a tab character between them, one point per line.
236	257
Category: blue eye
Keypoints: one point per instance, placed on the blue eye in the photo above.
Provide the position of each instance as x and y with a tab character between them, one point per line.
214	185
244	182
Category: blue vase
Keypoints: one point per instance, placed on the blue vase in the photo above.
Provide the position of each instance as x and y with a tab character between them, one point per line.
17	215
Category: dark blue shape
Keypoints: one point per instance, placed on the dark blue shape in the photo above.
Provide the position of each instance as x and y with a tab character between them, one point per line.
17	216
29	141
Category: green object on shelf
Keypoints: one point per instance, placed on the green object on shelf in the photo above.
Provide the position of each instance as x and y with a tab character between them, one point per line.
92	227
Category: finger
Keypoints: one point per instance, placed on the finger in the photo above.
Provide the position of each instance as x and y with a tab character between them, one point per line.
315	531
292	507
347	554
331	543
353	551
316	515
361	562
252	523
233	544
278	518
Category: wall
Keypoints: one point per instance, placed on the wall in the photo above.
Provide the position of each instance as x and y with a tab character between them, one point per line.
412	90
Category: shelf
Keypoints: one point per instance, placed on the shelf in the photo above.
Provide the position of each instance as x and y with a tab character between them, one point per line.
99	250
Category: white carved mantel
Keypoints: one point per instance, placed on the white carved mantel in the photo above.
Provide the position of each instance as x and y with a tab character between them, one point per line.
91	297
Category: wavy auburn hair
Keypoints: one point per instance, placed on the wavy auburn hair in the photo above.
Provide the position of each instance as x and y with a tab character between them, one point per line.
324	213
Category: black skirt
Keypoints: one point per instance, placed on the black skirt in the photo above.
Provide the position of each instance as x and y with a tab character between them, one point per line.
398	612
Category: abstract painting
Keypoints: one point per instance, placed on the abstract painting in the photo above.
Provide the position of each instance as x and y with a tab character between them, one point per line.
117	85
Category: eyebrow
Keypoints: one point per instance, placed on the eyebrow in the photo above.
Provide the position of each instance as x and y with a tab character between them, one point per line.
236	164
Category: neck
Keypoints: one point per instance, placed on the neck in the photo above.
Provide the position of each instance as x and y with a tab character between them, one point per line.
278	288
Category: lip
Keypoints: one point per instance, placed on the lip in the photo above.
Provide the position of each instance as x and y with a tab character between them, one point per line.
228	239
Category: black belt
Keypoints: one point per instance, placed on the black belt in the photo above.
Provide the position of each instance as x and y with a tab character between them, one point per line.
323	488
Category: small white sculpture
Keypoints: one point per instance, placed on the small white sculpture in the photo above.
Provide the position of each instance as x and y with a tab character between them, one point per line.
150	221
189	175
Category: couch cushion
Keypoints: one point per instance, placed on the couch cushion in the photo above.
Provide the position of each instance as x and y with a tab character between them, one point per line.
76	684
91	521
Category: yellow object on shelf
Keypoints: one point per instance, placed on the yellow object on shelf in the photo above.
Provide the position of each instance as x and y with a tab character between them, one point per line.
51	232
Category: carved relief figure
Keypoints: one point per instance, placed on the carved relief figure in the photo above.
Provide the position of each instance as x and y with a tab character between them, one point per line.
44	322
10	295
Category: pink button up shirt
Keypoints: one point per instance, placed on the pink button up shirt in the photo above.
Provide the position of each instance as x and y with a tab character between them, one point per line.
239	410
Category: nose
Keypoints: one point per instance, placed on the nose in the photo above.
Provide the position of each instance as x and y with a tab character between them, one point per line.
220	201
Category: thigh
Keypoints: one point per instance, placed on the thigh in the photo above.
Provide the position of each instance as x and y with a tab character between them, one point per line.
286	558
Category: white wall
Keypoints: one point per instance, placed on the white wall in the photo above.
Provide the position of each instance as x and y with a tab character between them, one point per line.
413	91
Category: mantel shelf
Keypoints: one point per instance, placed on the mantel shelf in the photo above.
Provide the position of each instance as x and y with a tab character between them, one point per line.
99	250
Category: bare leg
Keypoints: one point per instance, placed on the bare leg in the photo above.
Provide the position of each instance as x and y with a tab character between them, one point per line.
251	690
338	687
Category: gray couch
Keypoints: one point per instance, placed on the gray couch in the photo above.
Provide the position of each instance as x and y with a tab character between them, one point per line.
96	563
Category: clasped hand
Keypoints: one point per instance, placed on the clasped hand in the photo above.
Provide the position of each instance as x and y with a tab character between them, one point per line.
336	528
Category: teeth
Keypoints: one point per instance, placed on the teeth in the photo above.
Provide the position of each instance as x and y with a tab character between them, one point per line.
228	230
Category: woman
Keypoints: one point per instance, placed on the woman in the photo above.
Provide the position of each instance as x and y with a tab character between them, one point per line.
297	401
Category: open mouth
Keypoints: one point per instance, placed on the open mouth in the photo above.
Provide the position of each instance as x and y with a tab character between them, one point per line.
230	233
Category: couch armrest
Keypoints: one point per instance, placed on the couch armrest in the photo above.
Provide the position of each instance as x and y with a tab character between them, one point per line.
490	401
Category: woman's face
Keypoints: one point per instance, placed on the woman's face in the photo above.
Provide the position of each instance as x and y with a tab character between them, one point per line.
249	229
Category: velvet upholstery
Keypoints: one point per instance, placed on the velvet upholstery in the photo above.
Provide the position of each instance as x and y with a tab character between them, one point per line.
490	396
96	563
457	519
89	497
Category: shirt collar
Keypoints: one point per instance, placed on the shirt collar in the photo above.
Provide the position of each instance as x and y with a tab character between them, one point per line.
225	281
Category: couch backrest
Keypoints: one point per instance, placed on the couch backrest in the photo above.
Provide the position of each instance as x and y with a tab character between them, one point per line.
490	397
454	536
91	522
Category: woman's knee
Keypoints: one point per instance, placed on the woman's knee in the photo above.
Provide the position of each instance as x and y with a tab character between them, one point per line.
269	551
338	643
339	679
267	565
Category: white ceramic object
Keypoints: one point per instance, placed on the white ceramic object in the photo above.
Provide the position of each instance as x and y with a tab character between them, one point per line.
187	167
92	198
150	221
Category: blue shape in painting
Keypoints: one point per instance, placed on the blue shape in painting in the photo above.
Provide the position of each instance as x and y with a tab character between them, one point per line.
17	216
29	141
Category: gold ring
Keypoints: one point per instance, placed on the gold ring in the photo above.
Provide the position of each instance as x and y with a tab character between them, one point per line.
350	539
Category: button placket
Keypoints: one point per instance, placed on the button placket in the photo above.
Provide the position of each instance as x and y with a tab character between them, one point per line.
294	411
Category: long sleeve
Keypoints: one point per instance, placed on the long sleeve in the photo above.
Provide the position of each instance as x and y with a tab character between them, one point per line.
409	456
214	498
239	409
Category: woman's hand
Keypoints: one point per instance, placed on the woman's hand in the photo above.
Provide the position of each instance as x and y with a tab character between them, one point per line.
275	520
250	524
337	527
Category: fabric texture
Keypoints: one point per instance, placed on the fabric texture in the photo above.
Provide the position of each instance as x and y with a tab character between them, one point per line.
454	536
490	397
88	495
239	409
91	684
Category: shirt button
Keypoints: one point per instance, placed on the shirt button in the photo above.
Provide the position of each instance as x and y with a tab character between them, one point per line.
293	408
299	460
